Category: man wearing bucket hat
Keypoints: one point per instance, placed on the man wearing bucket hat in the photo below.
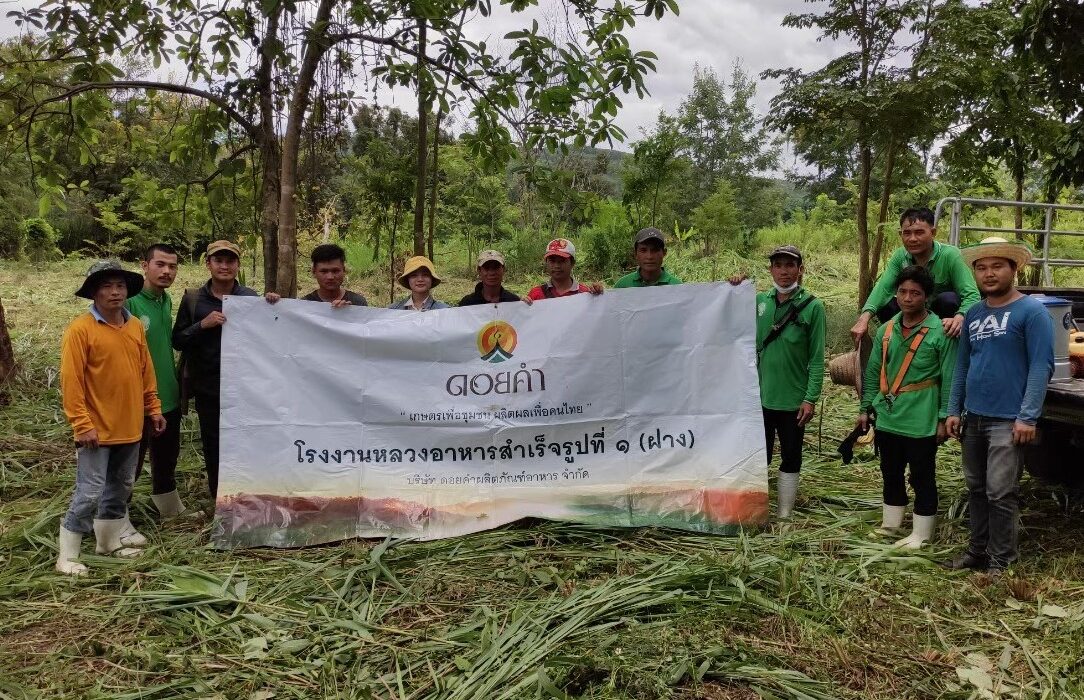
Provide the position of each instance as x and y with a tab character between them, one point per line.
1005	360
108	384
197	334
490	288
790	363
560	259
907	387
649	247
954	290
419	276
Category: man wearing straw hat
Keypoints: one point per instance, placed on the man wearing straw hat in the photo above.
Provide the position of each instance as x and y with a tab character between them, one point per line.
1005	360
790	363
954	290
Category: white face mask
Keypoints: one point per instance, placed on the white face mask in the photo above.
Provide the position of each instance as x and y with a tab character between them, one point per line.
785	290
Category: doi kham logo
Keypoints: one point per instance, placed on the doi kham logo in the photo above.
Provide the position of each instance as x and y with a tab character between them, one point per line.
496	341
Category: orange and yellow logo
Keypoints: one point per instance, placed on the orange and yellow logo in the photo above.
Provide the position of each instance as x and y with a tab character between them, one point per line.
496	341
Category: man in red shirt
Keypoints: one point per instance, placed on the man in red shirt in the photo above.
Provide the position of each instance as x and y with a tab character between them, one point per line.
560	258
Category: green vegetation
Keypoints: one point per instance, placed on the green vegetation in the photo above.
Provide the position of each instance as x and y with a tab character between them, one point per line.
811	608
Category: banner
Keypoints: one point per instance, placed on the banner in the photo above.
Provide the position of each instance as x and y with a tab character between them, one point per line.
636	407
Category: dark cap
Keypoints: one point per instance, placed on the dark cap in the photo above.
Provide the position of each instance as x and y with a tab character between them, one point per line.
222	246
648	234
108	268
788	251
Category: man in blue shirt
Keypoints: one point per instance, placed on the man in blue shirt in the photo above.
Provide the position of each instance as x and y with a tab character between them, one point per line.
1004	363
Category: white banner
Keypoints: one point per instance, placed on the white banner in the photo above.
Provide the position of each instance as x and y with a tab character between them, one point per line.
636	407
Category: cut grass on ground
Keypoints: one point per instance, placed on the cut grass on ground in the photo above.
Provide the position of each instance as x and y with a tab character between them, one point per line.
811	608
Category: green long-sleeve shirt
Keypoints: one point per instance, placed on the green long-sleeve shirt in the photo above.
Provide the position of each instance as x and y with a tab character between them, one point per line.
792	367
156	314
913	413
947	267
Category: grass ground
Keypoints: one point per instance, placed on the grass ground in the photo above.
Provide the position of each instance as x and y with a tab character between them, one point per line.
810	608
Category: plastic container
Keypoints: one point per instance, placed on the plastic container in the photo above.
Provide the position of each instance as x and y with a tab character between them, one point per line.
1061	315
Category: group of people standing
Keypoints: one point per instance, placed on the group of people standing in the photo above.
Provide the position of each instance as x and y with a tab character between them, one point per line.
124	396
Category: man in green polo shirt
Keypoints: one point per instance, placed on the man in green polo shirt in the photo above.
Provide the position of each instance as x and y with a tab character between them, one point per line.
649	246
954	290
154	308
790	363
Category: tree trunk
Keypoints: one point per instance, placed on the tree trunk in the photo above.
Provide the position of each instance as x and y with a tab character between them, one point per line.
380	226
882	212
436	184
865	284
7	358
316	44
423	149
391	255
270	158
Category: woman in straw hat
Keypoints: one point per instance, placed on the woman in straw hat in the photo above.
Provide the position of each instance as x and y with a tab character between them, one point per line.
419	276
907	388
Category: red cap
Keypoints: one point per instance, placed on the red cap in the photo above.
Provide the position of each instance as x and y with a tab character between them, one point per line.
561	247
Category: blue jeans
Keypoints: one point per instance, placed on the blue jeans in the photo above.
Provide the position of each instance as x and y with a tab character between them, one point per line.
992	470
103	481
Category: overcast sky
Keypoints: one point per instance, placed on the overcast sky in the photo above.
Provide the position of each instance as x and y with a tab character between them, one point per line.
711	33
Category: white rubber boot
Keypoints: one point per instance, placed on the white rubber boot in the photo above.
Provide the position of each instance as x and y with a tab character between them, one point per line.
131	537
169	505
891	520
788	492
107	534
921	532
69	551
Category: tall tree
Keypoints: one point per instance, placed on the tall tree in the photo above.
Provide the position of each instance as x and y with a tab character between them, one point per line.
724	138
654	164
7	357
877	97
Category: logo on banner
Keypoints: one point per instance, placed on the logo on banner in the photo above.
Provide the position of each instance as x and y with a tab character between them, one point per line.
496	341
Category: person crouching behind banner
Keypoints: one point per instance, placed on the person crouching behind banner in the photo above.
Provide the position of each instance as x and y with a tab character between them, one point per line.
419	276
108	384
560	258
906	388
790	363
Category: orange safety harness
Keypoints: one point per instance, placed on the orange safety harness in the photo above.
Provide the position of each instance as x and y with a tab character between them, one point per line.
891	393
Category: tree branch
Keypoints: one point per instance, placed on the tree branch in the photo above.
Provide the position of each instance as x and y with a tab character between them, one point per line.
222	103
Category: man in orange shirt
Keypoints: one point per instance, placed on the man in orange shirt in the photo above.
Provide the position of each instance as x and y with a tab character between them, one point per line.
108	384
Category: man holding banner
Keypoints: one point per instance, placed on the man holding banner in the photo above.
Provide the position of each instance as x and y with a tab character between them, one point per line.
790	363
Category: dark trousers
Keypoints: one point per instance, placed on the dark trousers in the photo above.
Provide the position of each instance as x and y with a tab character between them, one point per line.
944	305
207	409
899	452
164	450
992	470
785	425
